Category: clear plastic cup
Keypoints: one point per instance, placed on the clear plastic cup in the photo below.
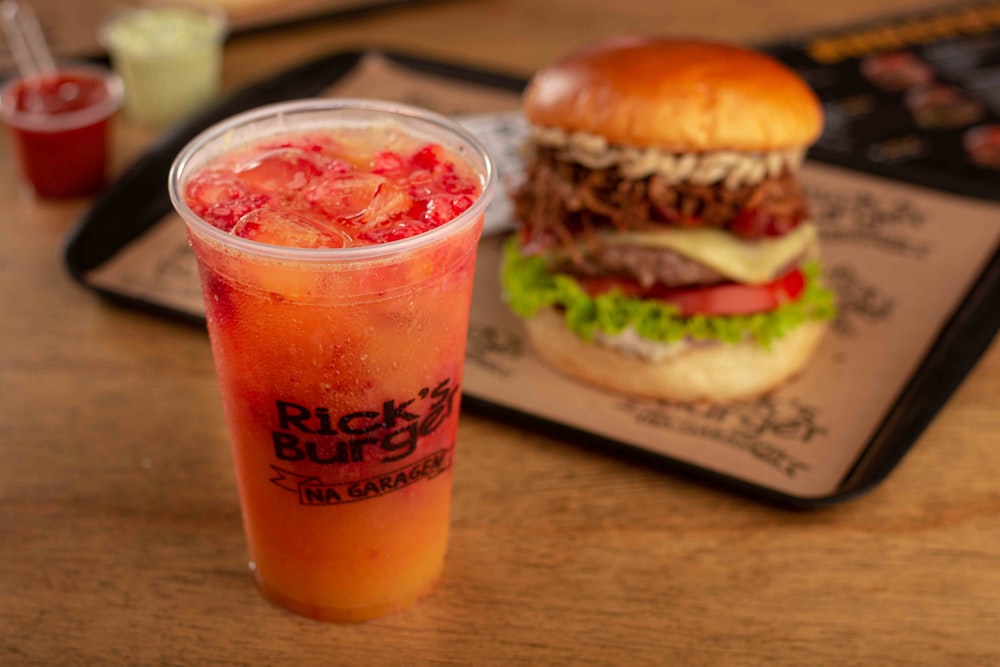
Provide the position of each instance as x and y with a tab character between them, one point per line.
59	124
340	371
169	56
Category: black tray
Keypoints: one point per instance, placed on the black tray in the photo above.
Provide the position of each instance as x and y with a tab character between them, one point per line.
139	199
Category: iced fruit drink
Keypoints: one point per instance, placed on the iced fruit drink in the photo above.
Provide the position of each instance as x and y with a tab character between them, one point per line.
336	243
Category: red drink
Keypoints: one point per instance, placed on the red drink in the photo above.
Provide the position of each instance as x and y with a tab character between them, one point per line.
336	245
59	123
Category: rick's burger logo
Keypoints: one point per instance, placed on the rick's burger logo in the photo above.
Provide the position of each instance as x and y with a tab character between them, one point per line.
386	434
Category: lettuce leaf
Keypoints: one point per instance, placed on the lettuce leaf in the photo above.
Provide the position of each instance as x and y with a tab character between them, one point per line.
529	286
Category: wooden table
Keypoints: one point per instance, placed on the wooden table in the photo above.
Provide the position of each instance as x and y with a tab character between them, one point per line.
120	537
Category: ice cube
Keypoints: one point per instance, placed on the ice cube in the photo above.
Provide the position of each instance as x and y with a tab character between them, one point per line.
389	203
281	169
211	186
345	198
284	228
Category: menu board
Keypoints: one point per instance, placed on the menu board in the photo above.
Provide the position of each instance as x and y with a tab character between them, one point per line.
916	98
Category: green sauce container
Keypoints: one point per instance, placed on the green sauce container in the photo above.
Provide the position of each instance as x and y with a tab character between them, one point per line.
169	58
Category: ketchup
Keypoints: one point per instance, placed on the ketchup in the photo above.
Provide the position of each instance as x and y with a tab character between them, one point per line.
59	123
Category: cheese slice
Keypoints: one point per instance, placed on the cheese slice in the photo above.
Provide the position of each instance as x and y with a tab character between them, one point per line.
752	262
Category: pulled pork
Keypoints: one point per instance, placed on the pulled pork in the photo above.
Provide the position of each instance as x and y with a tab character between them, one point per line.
561	201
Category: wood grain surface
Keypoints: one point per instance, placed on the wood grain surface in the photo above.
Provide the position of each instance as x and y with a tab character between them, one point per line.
120	537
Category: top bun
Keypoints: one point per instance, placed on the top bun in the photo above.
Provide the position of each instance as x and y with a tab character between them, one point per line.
675	95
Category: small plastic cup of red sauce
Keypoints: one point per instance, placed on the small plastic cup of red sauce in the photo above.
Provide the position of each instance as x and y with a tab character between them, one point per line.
58	122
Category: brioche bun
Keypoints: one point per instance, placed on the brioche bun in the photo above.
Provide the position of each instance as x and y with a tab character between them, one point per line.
676	95
713	373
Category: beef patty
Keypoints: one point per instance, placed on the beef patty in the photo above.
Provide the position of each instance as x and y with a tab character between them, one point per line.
647	266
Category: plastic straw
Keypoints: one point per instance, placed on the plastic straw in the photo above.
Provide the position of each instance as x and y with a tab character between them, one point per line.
25	39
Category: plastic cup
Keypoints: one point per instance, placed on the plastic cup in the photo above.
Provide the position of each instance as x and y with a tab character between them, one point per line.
59	125
340	371
169	56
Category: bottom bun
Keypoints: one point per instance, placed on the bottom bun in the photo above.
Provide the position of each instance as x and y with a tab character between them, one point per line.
723	372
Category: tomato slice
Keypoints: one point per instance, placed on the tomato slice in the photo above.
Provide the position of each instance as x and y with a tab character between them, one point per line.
722	299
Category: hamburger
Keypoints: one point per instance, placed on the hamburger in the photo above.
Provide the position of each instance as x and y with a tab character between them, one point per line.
663	246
